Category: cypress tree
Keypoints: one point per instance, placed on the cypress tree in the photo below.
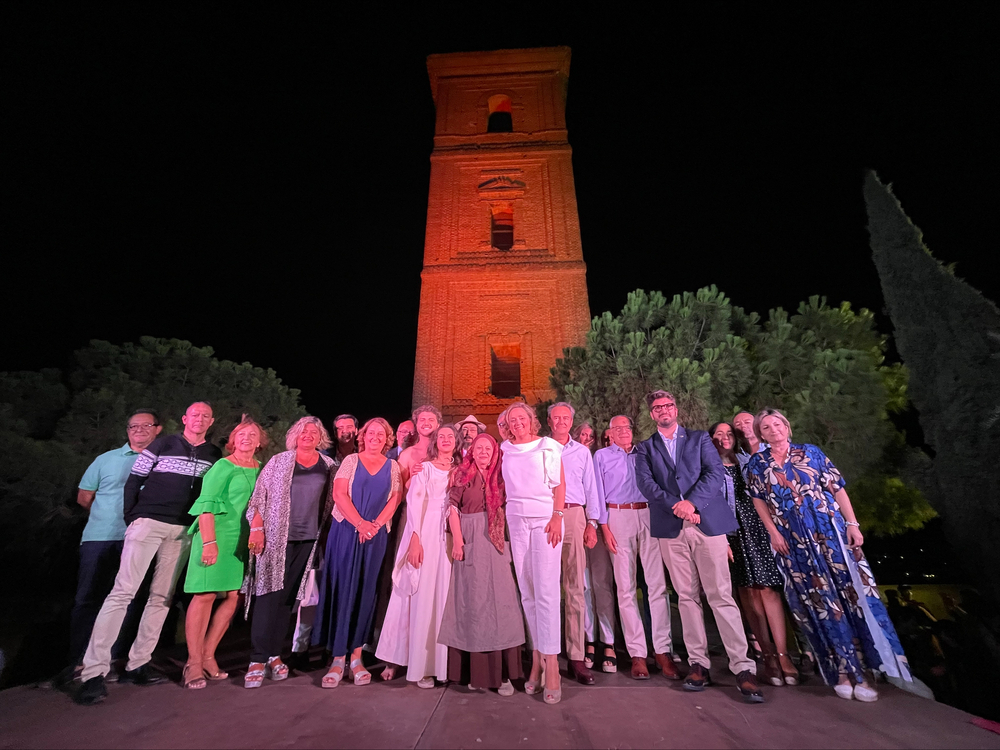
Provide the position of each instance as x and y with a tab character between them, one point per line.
948	335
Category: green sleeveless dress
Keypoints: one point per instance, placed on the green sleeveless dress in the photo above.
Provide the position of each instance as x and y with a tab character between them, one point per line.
225	493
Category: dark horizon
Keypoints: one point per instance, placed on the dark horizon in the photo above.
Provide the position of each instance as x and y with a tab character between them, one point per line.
258	184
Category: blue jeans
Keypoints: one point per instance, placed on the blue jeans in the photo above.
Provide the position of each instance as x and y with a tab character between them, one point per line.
98	567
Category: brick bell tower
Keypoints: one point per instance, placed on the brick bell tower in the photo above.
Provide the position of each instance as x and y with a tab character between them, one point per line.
503	288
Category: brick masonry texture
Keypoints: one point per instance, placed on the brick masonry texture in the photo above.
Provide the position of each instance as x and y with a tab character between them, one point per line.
475	298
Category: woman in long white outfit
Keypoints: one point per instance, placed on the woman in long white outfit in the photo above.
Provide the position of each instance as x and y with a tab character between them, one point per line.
536	493
422	572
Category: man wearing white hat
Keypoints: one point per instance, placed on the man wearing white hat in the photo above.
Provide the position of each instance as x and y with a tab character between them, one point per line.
468	428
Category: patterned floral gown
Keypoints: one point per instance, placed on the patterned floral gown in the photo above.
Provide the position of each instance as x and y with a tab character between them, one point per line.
832	597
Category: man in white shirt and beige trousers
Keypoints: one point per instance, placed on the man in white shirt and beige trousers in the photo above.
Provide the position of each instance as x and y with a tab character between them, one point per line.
582	511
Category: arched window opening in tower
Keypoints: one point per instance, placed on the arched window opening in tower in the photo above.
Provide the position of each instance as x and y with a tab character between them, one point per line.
505	370
502	229
500	118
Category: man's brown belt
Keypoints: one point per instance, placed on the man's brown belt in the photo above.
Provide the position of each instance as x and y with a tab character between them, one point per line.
629	506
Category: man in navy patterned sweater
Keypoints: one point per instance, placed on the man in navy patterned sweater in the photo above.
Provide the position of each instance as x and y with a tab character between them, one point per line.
164	483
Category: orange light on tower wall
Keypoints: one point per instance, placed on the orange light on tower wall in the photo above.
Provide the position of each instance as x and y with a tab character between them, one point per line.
501	119
502	227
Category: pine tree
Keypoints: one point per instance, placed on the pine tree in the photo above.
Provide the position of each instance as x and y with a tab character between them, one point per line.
948	335
822	366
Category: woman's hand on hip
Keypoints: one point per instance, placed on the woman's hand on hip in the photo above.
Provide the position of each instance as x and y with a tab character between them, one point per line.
553	529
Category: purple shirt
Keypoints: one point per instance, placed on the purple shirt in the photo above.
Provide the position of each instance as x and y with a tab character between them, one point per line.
614	470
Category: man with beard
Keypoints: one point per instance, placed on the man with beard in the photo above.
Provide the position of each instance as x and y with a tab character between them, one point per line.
681	475
469	428
427	419
345	430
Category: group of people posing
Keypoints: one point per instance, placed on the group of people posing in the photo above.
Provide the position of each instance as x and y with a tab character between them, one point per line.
408	549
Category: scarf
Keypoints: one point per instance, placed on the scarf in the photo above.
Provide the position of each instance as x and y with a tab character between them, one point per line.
492	486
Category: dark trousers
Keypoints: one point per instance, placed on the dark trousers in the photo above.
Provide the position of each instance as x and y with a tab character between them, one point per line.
272	613
99	563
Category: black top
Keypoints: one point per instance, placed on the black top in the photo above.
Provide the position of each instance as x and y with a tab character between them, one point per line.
309	487
166	480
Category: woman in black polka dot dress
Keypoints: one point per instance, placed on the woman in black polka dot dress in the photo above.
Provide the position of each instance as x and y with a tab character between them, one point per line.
754	572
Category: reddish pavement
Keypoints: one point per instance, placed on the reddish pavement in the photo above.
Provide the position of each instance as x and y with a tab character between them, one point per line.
616	713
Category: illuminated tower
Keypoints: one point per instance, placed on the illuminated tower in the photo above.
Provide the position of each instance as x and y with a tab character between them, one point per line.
503	288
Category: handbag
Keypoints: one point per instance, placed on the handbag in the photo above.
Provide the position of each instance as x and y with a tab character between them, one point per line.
310	596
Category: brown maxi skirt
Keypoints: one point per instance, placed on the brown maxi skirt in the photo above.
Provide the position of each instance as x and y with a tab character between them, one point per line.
483	625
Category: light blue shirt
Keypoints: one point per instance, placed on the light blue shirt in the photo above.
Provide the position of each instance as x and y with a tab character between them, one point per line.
671	444
615	474
106	476
578	467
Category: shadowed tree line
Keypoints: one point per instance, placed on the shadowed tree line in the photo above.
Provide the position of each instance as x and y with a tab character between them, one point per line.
53	424
823	367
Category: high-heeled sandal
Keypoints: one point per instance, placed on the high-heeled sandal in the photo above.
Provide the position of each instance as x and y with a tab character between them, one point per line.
331	679
213	676
790	678
359	675
534	687
609	664
772	670
589	653
254	676
278	671
193	683
551	695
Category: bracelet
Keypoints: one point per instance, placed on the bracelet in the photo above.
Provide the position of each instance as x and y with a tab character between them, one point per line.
205	544
557	513
853	523
256	528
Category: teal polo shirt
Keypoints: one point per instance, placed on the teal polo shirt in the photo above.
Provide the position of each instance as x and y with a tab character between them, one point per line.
106	476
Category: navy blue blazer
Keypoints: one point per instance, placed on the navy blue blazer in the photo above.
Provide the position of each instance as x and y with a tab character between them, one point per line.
698	476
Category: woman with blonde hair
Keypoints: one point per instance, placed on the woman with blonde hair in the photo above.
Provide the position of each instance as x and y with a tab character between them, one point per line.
366	491
287	512
422	572
536	494
800	498
219	550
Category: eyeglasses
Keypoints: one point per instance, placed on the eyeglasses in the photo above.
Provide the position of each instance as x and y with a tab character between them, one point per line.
145	426
664	407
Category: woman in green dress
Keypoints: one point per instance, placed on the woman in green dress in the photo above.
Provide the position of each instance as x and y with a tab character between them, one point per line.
219	550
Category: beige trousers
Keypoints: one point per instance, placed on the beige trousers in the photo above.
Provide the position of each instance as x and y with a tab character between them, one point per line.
631	532
574	568
698	562
145	539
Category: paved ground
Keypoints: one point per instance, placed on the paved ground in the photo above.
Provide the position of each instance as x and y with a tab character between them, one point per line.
616	713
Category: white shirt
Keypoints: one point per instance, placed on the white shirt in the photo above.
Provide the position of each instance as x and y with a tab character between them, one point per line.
671	443
581	487
530	472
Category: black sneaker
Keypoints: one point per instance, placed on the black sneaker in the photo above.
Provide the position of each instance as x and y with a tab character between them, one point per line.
746	683
697	679
91	692
144	675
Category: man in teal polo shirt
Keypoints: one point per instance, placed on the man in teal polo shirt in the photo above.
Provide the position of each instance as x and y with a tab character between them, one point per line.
101	492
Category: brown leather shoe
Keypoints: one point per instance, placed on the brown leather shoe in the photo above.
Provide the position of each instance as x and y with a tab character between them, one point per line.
667	666
639	669
583	675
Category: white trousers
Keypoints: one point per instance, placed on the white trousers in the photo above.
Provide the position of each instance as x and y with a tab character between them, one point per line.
537	565
598	593
631	531
145	539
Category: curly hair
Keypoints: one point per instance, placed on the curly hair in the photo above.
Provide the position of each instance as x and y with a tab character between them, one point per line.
432	449
426	407
247	421
390	436
505	432
292	436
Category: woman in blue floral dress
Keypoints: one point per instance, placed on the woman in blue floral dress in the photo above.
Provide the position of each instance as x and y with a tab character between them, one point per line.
800	497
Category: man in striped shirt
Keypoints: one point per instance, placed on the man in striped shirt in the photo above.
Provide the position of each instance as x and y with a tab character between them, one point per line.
164	483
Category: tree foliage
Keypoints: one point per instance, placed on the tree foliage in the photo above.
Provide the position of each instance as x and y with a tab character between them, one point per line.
823	367
948	335
52	425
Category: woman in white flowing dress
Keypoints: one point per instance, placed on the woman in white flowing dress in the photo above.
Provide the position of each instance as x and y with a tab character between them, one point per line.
422	572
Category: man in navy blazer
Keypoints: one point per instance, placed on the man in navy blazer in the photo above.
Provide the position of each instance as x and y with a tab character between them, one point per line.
681	475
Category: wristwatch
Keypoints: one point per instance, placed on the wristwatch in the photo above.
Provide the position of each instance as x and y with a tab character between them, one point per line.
592	522
557	513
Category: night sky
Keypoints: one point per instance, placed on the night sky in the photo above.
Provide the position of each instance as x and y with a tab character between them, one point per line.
258	183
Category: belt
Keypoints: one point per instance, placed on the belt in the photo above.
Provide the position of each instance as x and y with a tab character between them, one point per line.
628	506
573	505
